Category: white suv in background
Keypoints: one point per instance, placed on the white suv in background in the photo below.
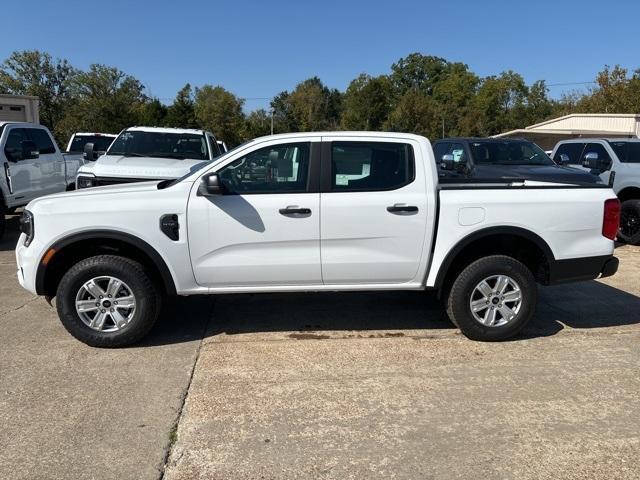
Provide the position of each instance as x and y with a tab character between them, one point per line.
617	157
147	153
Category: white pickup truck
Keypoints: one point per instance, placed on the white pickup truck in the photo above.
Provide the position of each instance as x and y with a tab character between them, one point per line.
32	166
313	212
615	161
147	153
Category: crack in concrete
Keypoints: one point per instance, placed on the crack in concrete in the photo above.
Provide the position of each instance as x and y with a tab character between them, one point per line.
4	314
173	435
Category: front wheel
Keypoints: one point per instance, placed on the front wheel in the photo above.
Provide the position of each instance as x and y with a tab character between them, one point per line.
493	298
107	301
630	222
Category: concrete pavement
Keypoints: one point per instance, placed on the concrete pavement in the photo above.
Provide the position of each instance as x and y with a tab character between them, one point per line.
366	385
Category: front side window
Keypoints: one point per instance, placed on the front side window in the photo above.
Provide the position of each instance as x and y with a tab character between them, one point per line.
138	143
274	169
599	149
13	145
370	166
42	140
572	150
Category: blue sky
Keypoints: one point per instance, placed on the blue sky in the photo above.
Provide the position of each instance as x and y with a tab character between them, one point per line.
259	48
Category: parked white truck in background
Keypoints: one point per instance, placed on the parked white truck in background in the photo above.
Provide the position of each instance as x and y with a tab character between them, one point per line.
313	212
32	166
619	157
147	153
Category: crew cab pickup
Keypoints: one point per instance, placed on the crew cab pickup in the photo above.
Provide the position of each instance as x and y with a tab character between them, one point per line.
474	159
147	153
615	161
313	212
32	166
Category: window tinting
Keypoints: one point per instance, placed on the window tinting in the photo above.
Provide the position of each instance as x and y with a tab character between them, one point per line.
597	148
370	166
627	152
571	150
275	169
42	140
160	144
13	145
100	142
508	153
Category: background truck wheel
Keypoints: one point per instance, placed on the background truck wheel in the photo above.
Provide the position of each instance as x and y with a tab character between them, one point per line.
3	220
493	298
107	301
630	222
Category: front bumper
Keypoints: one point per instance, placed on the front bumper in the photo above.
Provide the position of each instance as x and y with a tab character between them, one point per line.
580	269
27	260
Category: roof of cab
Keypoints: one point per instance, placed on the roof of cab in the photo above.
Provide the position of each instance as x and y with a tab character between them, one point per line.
166	130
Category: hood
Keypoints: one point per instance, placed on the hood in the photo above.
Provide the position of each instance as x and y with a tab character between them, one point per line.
111	189
542	173
153	168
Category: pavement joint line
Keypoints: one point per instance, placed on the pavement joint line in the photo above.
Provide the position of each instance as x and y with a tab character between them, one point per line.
185	395
2	315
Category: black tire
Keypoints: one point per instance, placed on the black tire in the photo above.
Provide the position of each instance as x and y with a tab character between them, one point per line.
3	220
458	301
630	222
145	291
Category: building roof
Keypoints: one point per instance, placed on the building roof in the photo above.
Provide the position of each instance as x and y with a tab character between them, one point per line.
602	124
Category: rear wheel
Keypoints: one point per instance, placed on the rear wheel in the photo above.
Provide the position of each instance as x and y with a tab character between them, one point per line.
493	298
107	301
630	222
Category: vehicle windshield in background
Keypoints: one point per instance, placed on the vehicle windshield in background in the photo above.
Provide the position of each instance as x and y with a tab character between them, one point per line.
138	143
508	153
100	143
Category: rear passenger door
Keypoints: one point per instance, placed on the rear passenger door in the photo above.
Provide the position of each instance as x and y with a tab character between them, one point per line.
373	211
50	163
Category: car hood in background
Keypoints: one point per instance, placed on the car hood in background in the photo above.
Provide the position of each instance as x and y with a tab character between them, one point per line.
152	168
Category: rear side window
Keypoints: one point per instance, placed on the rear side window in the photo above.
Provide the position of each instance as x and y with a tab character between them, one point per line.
42	140
627	152
371	166
571	150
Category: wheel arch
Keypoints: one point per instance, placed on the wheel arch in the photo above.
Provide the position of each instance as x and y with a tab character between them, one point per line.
477	244
629	193
75	247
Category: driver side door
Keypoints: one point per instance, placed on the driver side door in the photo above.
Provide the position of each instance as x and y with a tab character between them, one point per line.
23	173
264	230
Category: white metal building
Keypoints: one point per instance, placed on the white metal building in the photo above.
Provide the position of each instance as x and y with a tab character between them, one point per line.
19	108
578	125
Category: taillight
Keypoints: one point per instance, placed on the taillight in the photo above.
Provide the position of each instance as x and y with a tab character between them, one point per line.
611	222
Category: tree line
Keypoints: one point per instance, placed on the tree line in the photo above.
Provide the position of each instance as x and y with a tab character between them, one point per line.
422	94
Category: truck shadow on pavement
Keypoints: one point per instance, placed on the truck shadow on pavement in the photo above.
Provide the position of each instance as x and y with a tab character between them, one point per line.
11	234
585	305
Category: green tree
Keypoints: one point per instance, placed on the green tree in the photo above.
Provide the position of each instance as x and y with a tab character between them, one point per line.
104	99
220	111
311	106
152	113
417	72
416	112
258	124
182	114
367	103
32	72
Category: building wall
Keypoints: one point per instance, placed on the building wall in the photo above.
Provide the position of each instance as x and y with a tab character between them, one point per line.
17	108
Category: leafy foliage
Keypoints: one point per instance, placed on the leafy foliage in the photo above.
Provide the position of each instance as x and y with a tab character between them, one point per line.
424	94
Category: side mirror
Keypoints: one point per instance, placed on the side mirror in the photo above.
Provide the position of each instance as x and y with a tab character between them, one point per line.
29	150
564	159
210	186
89	154
594	162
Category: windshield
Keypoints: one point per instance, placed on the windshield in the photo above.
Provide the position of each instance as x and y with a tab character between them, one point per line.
138	143
508	153
100	142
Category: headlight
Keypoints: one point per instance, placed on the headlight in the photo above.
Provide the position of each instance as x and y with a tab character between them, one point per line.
85	182
27	227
